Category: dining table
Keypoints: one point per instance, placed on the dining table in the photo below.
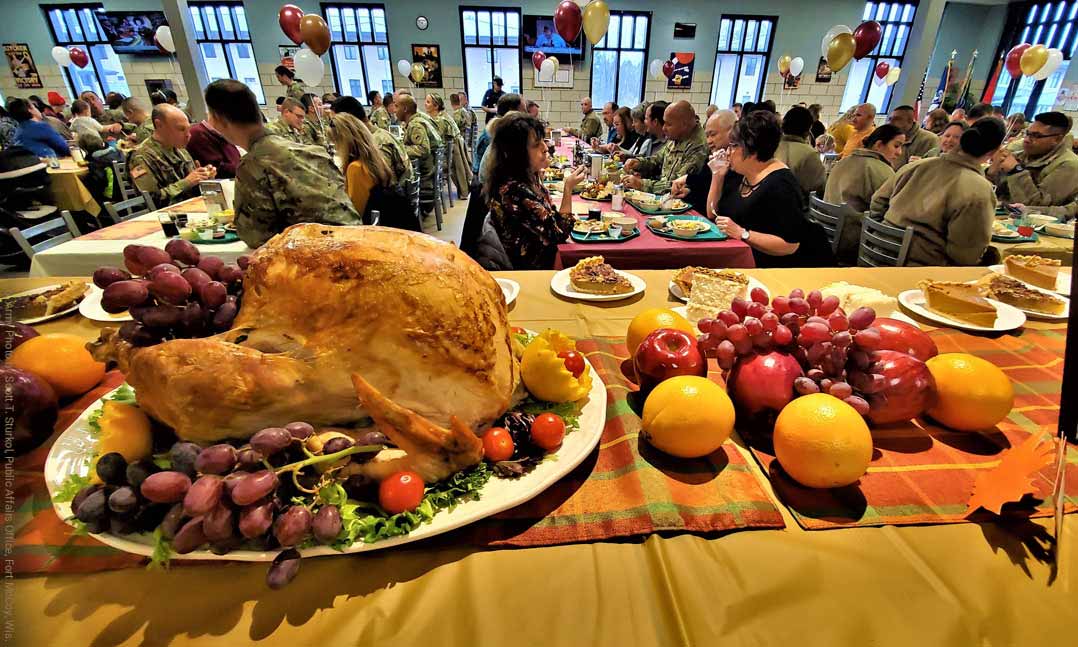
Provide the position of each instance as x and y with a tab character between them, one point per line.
986	581
68	191
1046	245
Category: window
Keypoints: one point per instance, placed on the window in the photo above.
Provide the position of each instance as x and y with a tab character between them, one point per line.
862	86
1052	24
742	58
619	59
490	39
360	52
76	25
225	43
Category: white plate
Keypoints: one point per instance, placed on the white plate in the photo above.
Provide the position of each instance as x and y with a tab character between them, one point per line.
1063	281
510	289
1007	317
55	315
91	308
72	451
561	285
675	289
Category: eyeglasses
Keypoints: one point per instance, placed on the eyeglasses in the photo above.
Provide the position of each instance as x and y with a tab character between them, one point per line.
1031	135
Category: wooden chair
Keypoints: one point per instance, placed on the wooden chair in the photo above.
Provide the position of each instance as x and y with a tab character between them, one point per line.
123	181
832	217
48	234
883	245
128	209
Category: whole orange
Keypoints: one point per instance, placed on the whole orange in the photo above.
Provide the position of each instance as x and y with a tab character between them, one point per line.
687	416
61	360
974	393
822	442
652	319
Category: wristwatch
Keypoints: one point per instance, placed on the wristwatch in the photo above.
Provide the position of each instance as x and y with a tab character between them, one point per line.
744	235
1017	169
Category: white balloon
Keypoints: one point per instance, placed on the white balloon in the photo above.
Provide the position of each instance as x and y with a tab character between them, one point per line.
656	68
547	69
831	33
61	56
796	66
309	67
404	67
581	3
892	75
1055	59
164	38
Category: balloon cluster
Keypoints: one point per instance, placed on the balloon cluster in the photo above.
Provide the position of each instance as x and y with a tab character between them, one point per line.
569	19
65	57
841	44
1035	61
310	30
791	67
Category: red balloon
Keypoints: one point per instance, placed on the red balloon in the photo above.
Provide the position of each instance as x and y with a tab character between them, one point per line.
568	19
1014	59
866	37
289	17
668	69
882	69
537	59
78	57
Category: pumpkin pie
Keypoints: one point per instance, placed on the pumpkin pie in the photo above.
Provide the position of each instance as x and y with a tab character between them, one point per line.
1035	270
594	275
1018	294
960	301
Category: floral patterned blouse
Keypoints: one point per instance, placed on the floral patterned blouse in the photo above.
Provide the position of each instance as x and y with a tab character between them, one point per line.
528	224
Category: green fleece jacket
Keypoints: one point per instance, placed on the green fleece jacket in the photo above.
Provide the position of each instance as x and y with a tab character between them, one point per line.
855	179
1051	180
804	161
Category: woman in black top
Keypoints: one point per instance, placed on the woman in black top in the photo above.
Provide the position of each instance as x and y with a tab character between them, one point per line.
626	136
764	208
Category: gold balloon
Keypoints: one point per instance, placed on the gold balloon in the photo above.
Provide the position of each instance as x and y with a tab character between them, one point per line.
1034	59
418	72
315	33
555	61
784	63
596	20
840	51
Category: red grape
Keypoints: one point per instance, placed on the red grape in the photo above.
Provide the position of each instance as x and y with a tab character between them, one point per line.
327	524
718	329
781	305
292	526
797	293
739	307
222	319
131	261
189	537
827	306
229	274
814	298
743	346
162	317
736	332
842	339
815	374
867	339
183	251
838	322
762	342
162	267
704	325
770	321
121	295
244	261
860	359
217	523
825	384
816	352
862	318
204	495
805	386
755	310
271	440
782	335
759	295
210	265
255	520
726	354
840	390
799	306
170	288
817	319
165	487
814	332
299	430
859	404
216	459
753	326
789	319
212	294
106	276
196	277
729	318
148	256
707	343
252	487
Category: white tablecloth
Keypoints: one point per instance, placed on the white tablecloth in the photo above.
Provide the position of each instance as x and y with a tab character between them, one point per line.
80	257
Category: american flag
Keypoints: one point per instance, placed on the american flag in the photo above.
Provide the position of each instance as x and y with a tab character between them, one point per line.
920	96
945	80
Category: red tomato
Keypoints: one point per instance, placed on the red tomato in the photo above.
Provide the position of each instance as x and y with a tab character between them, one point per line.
548	430
497	444
574	362
401	492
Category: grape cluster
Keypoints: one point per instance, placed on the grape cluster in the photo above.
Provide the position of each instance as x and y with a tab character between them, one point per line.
174	292
833	347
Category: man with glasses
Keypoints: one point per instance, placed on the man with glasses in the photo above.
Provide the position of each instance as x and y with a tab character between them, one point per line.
290	124
1045	171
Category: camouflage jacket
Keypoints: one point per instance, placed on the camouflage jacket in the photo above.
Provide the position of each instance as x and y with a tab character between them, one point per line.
465	119
281	128
674	160
591	126
447	128
160	172
280	183
380	118
112	116
296	90
394	153
313	131
421	141
143	131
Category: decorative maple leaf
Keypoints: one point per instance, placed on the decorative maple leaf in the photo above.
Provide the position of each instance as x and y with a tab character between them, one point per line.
1012	479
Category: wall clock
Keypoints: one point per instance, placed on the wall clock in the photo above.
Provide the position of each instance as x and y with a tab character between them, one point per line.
422	23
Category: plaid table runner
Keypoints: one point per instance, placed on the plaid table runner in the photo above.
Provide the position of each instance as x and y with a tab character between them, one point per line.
625	489
924	473
127	230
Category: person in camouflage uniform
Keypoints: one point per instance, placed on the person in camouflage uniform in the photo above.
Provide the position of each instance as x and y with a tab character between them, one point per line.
461	169
465	120
391	147
279	183
684	153
294	87
313	127
421	142
290	124
591	125
135	113
161	165
379	114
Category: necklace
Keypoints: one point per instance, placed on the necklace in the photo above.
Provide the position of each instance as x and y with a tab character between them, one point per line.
747	189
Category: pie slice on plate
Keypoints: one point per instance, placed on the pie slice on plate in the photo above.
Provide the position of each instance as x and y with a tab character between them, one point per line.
1017	294
960	301
594	276
1035	270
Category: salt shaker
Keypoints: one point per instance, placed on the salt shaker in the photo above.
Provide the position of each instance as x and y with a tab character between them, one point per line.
617	198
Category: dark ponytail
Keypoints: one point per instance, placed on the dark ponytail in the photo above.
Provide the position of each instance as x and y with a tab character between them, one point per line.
983	137
882	135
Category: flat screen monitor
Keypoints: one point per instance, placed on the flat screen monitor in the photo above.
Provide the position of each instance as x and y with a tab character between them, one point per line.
131	32
538	35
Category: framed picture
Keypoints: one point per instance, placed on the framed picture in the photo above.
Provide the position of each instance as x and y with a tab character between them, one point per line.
288	55
22	66
153	85
430	57
823	71
563	78
792	82
681	78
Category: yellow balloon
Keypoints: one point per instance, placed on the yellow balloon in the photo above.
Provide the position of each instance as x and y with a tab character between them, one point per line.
418	72
596	20
554	59
1034	59
840	51
784	63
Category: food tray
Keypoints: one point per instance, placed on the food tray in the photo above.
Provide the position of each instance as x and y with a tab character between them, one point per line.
603	237
712	235
659	211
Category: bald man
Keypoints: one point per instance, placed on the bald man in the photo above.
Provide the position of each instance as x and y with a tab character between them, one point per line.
694	187
863	122
161	165
684	153
591	125
135	113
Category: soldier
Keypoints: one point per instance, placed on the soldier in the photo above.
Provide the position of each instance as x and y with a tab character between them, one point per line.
279	183
450	133
293	87
290	124
919	142
135	113
421	142
379	114
684	153
464	118
390	146
591	125
161	165
313	126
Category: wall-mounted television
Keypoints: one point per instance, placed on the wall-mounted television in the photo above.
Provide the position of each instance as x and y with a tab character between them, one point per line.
539	35
131	32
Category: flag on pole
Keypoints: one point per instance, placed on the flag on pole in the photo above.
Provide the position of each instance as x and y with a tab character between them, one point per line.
990	89
920	96
945	80
962	99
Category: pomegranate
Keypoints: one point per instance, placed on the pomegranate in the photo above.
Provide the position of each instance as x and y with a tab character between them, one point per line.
763	382
906	338
908	391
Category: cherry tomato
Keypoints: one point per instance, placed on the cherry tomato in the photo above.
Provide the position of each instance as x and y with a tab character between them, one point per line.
574	362
497	444
548	430
401	492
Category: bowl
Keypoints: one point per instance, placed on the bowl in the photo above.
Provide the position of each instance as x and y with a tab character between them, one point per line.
686	232
1063	230
1040	219
627	222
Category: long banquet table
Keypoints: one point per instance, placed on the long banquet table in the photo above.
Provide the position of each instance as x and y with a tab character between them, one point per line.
961	584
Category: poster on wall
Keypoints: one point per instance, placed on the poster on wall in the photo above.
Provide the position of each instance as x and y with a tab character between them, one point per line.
430	58
22	66
681	77
823	71
158	85
288	55
1067	99
791	82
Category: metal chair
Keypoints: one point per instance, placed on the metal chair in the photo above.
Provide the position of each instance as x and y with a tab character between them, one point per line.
413	198
128	209
49	234
883	245
434	193
473	133
447	156
123	181
832	217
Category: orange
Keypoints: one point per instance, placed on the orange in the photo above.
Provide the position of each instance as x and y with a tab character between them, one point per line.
61	360
687	416
973	393
822	442
648	321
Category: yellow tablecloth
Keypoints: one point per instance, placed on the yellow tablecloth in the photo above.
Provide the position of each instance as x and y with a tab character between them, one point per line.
1047	246
68	190
965	584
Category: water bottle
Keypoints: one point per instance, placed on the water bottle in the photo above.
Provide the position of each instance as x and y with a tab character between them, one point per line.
617	198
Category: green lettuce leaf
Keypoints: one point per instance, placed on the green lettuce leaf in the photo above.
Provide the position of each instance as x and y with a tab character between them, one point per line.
71	486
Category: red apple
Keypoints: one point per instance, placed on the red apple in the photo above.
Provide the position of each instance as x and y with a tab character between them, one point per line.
667	353
906	338
908	390
763	382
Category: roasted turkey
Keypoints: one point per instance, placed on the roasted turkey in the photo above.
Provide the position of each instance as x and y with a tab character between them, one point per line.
422	325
